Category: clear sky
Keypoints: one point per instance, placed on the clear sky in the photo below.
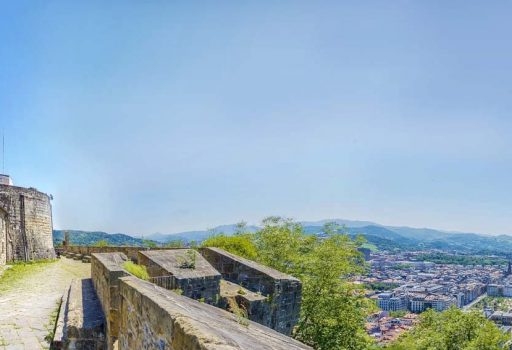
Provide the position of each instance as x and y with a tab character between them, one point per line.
163	116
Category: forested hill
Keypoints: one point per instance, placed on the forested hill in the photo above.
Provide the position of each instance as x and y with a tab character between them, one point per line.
378	236
91	237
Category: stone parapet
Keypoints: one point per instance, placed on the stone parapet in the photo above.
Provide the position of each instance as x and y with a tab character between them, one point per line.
155	318
106	269
81	322
186	270
284	291
130	252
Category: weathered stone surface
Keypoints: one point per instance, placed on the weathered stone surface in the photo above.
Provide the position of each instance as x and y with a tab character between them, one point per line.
106	269
167	269
155	318
284	291
130	252
81	322
256	306
25	225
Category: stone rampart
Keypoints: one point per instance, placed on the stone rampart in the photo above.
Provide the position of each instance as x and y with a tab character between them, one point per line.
183	269
130	252
284	292
155	318
81	323
106	269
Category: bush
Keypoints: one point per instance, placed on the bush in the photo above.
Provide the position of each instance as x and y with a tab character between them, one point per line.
241	245
136	270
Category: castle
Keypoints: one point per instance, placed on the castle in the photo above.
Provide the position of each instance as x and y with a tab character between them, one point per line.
25	223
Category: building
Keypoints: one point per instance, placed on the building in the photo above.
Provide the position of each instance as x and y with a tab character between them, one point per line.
439	302
417	303
507	290
495	290
390	302
5	180
25	223
504	318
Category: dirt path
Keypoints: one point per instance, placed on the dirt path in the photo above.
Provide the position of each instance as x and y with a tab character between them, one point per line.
27	304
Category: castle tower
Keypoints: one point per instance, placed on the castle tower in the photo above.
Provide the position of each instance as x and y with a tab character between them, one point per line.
26	228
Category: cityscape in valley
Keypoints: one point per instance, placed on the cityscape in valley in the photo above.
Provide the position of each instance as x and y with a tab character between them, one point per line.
404	284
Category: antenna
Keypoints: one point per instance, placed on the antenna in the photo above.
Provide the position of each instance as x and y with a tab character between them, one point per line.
3	152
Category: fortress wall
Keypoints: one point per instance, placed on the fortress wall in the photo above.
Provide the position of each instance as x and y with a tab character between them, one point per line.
155	318
284	291
28	220
202	282
106	269
130	252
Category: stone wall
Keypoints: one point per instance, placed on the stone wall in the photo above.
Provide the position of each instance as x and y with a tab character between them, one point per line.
155	318
25	224
81	323
106	269
284	291
166	267
130	252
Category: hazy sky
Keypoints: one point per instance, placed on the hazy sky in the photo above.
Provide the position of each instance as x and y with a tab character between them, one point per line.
162	116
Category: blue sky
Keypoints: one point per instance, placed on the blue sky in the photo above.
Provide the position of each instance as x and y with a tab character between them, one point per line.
165	116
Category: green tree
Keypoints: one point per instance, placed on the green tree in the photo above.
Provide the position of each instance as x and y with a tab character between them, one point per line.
452	330
101	243
333	309
175	244
148	243
279	244
241	244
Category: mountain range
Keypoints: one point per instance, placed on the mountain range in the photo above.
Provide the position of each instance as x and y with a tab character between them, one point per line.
378	237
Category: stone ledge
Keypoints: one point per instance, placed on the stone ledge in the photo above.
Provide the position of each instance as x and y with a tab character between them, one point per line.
156	318
81	323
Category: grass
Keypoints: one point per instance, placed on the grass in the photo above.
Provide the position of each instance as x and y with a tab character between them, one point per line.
136	270
19	270
52	323
239	312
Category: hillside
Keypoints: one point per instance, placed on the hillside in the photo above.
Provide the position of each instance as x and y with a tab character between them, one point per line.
91	237
384	237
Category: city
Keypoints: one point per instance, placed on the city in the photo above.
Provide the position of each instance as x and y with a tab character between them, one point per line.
404	285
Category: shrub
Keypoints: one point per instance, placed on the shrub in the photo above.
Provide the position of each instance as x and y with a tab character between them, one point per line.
136	270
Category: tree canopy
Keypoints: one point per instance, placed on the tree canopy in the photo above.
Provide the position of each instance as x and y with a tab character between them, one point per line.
333	309
453	329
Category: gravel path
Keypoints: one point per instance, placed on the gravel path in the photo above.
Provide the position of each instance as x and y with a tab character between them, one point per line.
27	304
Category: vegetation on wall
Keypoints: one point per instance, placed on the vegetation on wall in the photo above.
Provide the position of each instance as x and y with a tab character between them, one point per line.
240	244
136	270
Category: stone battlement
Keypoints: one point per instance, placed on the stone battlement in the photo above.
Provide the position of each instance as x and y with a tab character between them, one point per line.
142	315
283	291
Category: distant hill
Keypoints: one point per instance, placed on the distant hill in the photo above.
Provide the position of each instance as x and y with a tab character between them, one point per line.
383	237
91	237
188	236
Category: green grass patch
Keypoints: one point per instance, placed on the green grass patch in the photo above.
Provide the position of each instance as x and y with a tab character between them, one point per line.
52	323
21	269
136	270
